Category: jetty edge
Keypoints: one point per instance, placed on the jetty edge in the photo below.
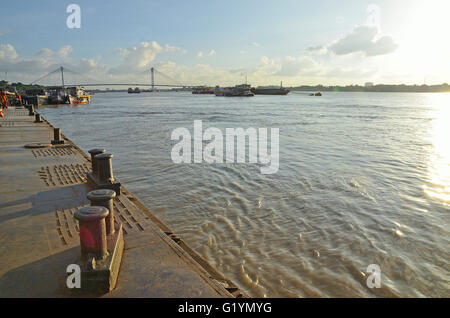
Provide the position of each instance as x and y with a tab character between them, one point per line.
43	182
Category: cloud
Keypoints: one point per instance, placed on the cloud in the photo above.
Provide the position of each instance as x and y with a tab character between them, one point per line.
44	53
200	74
364	39
349	73
255	44
292	66
136	59
64	51
210	53
8	53
25	69
170	48
239	71
266	67
319	50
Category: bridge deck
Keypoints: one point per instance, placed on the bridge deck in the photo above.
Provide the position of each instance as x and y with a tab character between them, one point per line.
39	191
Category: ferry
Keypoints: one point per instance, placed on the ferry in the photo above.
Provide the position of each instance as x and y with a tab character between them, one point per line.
78	95
270	90
242	90
220	91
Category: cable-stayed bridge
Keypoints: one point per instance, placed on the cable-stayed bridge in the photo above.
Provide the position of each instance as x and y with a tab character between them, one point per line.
62	71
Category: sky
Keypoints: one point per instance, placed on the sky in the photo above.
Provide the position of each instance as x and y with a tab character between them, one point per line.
198	42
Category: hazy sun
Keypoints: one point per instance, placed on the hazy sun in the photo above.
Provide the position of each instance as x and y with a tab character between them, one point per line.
423	41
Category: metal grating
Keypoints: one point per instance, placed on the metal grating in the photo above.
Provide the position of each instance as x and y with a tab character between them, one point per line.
61	175
67	226
132	222
54	152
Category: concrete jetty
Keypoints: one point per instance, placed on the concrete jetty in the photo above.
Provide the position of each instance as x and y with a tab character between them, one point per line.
42	186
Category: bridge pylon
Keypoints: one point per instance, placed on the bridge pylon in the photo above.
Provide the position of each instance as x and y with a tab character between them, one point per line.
152	71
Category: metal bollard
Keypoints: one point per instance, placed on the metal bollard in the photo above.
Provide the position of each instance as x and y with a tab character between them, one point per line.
93	231
57	137
104	165
31	110
37	118
104	197
93	153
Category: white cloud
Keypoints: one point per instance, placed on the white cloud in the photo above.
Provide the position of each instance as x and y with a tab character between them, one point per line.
318	50
136	59
210	53
255	44
292	66
64	51
170	48
44	53
364	39
8	53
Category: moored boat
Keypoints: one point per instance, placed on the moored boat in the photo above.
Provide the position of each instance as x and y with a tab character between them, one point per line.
78	95
58	96
270	90
36	96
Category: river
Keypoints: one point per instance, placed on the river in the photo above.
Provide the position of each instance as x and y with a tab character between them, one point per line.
364	178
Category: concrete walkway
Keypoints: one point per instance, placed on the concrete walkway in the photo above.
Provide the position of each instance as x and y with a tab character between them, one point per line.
40	189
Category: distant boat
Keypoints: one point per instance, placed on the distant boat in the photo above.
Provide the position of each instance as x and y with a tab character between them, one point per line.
316	94
202	90
270	90
220	91
242	90
134	91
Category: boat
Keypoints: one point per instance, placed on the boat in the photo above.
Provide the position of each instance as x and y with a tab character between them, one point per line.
220	91
78	95
134	91
242	90
270	90
316	94
202	90
36	96
58	96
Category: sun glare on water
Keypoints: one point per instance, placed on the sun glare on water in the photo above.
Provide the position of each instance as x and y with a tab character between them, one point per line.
439	163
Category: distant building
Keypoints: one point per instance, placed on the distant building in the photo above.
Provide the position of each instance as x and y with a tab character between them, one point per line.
368	84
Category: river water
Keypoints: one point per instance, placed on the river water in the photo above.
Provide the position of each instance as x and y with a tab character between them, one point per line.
364	178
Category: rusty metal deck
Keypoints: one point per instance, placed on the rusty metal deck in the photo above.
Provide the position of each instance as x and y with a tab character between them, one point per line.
40	189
